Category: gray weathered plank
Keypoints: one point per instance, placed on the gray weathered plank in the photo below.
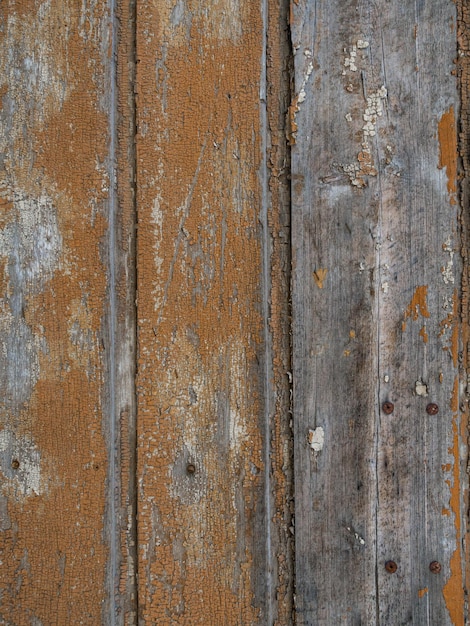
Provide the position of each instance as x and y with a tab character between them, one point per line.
376	313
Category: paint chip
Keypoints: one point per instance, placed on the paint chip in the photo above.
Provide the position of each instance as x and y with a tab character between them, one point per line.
421	389
356	535
320	276
448	270
316	438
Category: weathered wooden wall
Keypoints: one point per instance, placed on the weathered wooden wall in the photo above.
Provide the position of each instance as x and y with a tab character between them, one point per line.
153	158
380	493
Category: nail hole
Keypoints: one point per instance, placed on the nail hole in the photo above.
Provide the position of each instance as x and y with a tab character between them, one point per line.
15	464
391	567
191	468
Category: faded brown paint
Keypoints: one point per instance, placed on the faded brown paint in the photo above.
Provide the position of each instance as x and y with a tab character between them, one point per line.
423	334
448	151
418	306
55	188
200	325
453	590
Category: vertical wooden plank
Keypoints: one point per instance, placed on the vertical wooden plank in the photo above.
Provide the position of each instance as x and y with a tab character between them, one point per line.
463	72
420	467
123	261
210	471
334	220
376	297
60	299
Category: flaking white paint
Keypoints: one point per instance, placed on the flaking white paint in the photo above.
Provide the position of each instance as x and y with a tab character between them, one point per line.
421	389
448	269
316	439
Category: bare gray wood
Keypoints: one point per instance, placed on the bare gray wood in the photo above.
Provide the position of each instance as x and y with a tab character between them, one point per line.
376	301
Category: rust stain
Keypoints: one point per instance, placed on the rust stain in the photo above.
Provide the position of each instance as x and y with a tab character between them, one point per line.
445	511
418	306
319	277
448	151
453	590
422	592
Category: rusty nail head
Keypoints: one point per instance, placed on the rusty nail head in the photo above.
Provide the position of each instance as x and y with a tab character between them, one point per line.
391	567
432	409
387	407
190	468
15	463
435	567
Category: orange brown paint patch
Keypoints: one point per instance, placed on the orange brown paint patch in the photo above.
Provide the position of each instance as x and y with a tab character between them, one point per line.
418	306
448	151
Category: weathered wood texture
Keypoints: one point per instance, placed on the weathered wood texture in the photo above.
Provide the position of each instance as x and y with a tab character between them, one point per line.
213	431
65	294
463	65
376	305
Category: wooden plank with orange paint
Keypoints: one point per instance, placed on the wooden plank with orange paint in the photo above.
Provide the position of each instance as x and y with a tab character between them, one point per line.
65	239
213	398
375	201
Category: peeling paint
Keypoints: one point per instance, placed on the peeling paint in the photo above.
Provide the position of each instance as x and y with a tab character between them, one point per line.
451	323
418	306
448	151
364	167
294	107
319	276
423	334
316	439
421	389
453	590
448	270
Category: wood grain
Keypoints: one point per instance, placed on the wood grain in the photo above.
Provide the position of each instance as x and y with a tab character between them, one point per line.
64	248
212	547
376	302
